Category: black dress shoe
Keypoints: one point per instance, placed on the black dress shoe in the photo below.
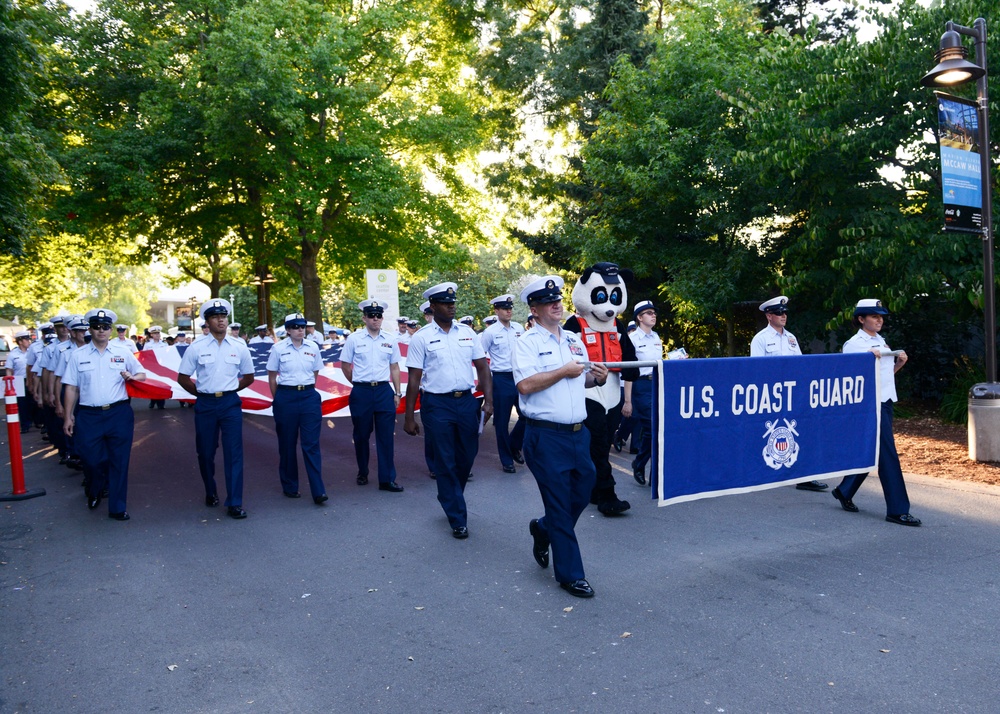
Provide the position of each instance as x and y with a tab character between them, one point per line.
290	494
211	501
320	500
460	532
578	588
93	502
811	486
619	445
640	476
517	455
432	475
236	512
362	479
391	487
123	516
509	469
540	548
845	503
633	450
904	519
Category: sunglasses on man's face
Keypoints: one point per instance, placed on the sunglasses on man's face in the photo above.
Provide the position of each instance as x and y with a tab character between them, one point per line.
95	326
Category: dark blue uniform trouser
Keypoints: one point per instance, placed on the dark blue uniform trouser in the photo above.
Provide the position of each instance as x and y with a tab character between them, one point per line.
25	411
374	407
214	416
642	409
54	428
889	471
561	464
103	440
504	401
298	413
452	424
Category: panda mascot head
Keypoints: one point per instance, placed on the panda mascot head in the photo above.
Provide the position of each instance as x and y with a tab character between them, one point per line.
600	295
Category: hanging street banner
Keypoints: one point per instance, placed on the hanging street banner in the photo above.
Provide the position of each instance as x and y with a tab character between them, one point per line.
383	285
961	174
741	424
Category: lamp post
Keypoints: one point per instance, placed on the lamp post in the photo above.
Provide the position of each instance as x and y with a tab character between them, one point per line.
953	69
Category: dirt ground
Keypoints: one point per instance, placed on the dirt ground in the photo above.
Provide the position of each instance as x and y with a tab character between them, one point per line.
931	447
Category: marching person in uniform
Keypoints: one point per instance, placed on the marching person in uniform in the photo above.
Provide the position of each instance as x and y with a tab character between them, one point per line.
155	342
401	325
439	359
292	368
370	361
261	337
17	367
98	415
222	366
498	342
775	341
428	312
869	317
639	394
551	376
122	339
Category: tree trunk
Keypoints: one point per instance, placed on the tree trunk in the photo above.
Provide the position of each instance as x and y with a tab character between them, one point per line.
311	283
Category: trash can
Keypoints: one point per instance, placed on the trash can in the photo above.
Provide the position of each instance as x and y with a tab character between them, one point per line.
984	422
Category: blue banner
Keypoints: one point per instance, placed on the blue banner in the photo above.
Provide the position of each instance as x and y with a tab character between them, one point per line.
723	426
961	176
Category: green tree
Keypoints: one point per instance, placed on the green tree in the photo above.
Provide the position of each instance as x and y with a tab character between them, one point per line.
313	132
29	127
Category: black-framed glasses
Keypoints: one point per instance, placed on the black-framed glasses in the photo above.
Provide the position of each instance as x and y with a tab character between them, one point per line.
376	316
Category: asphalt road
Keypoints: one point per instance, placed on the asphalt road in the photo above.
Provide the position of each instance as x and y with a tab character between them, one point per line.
775	601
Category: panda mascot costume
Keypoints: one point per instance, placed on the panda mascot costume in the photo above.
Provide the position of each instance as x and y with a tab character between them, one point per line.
598	296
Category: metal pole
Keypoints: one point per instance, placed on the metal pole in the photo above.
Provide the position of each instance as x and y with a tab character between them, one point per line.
989	286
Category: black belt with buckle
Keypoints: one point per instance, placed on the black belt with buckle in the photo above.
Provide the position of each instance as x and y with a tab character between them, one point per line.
368	384
503	372
297	387
103	407
553	424
216	395
453	395
647	377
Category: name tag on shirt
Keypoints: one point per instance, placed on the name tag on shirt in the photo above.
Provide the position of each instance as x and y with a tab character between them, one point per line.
434	345
85	366
206	359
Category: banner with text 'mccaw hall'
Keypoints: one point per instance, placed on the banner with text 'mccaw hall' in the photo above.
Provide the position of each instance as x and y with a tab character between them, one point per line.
724	426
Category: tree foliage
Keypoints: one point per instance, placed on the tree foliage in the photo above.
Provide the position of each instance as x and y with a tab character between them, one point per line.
306	133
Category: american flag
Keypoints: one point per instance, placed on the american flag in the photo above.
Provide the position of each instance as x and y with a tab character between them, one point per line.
161	379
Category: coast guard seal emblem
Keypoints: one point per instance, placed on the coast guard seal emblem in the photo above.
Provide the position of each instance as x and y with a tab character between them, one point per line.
781	449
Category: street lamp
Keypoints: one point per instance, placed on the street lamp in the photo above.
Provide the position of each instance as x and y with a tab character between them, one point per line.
954	69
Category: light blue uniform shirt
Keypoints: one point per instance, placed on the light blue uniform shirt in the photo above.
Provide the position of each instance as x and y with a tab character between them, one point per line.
538	350
98	375
17	362
498	343
62	359
770	343
295	366
862	342
215	366
34	352
152	344
371	356
648	348
445	357
49	358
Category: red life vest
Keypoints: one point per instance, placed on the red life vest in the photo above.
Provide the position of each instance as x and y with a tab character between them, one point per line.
601	346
